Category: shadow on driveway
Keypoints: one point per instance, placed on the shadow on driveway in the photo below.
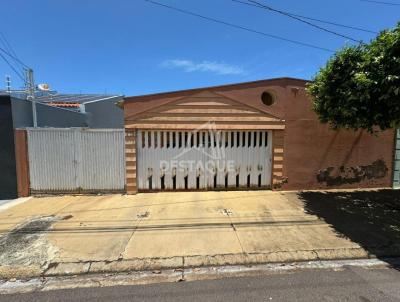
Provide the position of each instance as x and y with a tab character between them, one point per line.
369	218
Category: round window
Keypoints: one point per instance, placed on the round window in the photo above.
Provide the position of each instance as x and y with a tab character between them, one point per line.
267	98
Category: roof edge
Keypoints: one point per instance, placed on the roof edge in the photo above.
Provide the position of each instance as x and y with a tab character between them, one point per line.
183	92
104	99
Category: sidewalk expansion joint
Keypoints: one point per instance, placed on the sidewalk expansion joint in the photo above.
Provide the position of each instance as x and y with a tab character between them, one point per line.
121	255
90	266
236	234
183	269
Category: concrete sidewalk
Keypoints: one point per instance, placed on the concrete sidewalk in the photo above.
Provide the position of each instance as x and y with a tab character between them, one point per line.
112	233
9	203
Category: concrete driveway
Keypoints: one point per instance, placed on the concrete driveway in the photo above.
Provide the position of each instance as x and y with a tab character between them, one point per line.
107	233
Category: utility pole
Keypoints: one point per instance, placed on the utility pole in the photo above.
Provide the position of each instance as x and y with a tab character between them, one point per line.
30	91
8	84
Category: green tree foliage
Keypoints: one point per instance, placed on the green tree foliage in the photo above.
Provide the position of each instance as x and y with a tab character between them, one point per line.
359	88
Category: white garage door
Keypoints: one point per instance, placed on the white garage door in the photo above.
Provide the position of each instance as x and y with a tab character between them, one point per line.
179	160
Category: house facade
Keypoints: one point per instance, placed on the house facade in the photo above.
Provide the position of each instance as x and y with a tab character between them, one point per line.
253	135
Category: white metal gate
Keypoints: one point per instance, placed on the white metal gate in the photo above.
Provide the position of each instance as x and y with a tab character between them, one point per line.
179	160
76	159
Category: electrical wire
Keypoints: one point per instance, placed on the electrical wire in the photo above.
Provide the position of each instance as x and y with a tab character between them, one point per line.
318	20
9	48
266	7
239	26
14	58
6	44
12	67
382	2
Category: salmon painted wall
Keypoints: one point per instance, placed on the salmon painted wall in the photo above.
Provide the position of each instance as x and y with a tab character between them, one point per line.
314	156
318	157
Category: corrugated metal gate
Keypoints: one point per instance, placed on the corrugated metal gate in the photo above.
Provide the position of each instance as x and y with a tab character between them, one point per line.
76	160
396	178
174	160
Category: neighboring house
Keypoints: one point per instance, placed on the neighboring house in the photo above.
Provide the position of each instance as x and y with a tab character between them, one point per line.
268	129
53	110
67	110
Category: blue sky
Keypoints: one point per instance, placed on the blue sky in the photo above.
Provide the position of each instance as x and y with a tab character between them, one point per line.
134	47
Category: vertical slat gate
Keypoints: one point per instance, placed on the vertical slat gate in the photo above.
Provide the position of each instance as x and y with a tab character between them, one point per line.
52	160
76	160
180	160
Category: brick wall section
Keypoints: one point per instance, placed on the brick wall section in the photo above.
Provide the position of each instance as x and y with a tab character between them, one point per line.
277	158
22	164
130	158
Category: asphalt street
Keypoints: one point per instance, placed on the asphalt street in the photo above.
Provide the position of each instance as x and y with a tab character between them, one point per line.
347	284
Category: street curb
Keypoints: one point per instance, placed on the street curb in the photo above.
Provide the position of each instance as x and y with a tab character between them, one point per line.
192	262
48	283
